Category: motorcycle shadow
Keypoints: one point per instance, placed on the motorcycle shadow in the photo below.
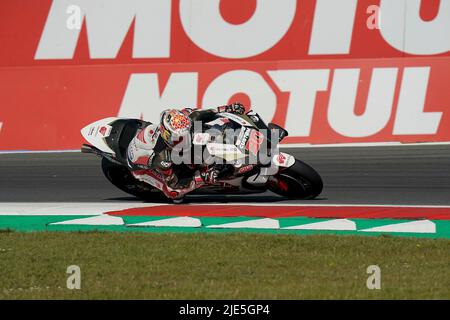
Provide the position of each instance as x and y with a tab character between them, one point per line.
204	199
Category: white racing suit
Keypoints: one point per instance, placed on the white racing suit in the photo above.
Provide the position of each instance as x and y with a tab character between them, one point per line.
150	161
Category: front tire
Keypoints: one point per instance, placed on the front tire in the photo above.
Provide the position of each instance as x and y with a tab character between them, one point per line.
300	181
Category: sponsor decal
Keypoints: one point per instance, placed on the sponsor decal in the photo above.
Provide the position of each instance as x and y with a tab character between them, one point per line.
254	142
218	121
103	130
154	135
218	148
281	158
165	164
243	137
245	169
236	119
229	152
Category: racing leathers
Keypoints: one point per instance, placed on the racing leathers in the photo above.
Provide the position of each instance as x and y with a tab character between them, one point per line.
148	151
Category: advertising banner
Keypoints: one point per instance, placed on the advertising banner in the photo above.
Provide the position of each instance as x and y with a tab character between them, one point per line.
329	71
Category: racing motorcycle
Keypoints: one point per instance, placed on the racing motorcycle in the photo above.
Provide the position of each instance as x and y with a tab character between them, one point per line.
280	172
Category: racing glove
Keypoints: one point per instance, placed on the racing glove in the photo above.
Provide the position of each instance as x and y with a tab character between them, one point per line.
210	175
236	107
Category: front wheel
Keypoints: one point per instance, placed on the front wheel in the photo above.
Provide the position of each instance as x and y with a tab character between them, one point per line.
300	181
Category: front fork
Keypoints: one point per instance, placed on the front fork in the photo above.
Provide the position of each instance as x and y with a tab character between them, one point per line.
279	162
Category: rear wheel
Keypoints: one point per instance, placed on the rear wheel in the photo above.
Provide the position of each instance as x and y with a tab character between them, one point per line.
300	181
121	177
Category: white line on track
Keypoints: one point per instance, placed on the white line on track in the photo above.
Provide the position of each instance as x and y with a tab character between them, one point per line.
97	208
66	209
39	151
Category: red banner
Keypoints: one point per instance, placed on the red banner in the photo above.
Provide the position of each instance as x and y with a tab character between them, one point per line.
329	71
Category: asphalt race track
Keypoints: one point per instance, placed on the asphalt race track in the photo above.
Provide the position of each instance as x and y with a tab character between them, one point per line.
410	175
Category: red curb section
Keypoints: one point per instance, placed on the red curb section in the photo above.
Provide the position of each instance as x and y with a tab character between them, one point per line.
289	211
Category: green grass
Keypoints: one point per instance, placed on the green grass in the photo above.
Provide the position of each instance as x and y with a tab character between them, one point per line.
220	266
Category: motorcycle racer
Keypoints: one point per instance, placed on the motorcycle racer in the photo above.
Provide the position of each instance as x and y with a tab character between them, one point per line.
151	148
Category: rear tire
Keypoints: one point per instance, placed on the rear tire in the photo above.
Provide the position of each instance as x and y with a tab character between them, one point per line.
300	181
121	177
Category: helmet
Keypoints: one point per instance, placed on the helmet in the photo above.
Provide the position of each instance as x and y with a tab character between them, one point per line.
175	126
